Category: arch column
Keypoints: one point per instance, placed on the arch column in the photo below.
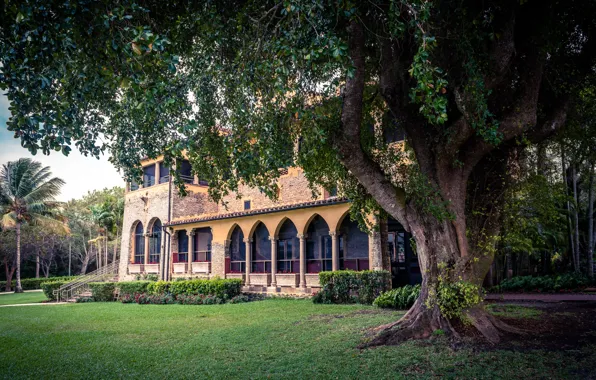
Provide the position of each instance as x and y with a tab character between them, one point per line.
334	251
302	238
191	248
273	240
157	172
248	250
146	258
162	255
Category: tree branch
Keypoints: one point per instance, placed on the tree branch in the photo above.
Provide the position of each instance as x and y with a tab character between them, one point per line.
368	173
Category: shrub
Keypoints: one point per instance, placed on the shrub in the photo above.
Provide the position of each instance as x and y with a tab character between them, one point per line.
398	298
221	288
556	283
83	299
35	283
350	286
48	288
454	298
132	287
158	287
102	291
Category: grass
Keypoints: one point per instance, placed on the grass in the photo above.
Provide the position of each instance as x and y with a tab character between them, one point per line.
19	298
514	311
266	339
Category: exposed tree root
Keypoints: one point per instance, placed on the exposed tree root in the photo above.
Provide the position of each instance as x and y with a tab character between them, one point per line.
420	322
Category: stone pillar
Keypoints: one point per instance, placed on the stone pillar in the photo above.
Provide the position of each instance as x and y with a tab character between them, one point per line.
334	251
191	249
302	238
146	261
195	180
248	250
218	258
157	173
273	260
162	256
375	253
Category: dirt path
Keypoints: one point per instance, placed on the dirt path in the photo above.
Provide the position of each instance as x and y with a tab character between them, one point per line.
542	297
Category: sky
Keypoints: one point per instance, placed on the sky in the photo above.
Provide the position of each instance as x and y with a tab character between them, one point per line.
81	174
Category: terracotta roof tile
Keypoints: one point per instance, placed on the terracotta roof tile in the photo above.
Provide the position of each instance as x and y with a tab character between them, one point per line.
237	214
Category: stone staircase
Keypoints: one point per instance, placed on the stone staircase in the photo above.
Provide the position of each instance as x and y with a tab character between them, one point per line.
80	286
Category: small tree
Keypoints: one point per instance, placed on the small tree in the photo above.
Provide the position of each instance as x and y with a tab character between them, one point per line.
27	194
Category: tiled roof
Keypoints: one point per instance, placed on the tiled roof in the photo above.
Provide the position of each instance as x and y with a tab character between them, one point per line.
239	214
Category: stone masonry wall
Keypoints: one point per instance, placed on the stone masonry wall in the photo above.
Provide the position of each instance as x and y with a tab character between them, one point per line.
293	189
192	204
141	205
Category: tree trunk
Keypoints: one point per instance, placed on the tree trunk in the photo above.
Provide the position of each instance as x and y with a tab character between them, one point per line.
568	207
575	219
116	246
591	222
37	264
9	274
18	288
85	262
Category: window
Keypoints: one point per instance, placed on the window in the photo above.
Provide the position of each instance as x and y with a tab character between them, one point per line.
202	245
149	176
134	186
139	244
247	205
164	173
155	243
237	252
186	172
182	246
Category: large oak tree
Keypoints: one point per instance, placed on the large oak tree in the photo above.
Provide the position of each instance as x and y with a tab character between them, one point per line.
237	83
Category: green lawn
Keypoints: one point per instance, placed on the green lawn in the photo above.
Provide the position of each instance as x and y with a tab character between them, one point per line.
28	297
266	339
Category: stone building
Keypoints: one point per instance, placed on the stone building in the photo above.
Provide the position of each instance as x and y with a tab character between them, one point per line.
271	245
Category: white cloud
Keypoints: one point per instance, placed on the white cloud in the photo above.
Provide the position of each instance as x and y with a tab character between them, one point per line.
81	174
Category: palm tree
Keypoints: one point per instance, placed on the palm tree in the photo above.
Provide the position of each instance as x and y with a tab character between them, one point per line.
27	194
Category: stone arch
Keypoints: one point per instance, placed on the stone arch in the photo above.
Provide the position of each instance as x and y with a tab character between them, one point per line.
231	231
281	224
341	219
353	245
149	226
254	227
310	219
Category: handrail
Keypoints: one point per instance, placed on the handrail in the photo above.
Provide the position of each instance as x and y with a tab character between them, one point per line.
81	284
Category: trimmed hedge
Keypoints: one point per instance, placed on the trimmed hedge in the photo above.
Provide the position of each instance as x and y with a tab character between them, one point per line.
130	288
35	283
347	286
221	288
102	291
556	283
398	298
184	299
48	288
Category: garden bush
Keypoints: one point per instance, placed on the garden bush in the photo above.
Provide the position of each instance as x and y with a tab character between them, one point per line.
555	283
130	288
48	288
222	288
102	291
348	286
35	283
398	298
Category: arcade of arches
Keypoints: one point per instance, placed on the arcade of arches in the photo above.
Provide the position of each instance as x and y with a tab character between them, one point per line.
285	248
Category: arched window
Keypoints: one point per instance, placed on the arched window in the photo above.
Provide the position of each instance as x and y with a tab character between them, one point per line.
202	245
261	250
155	243
353	246
237	251
139	244
318	246
288	249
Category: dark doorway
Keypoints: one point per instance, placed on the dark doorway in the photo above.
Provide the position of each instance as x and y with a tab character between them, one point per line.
404	263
